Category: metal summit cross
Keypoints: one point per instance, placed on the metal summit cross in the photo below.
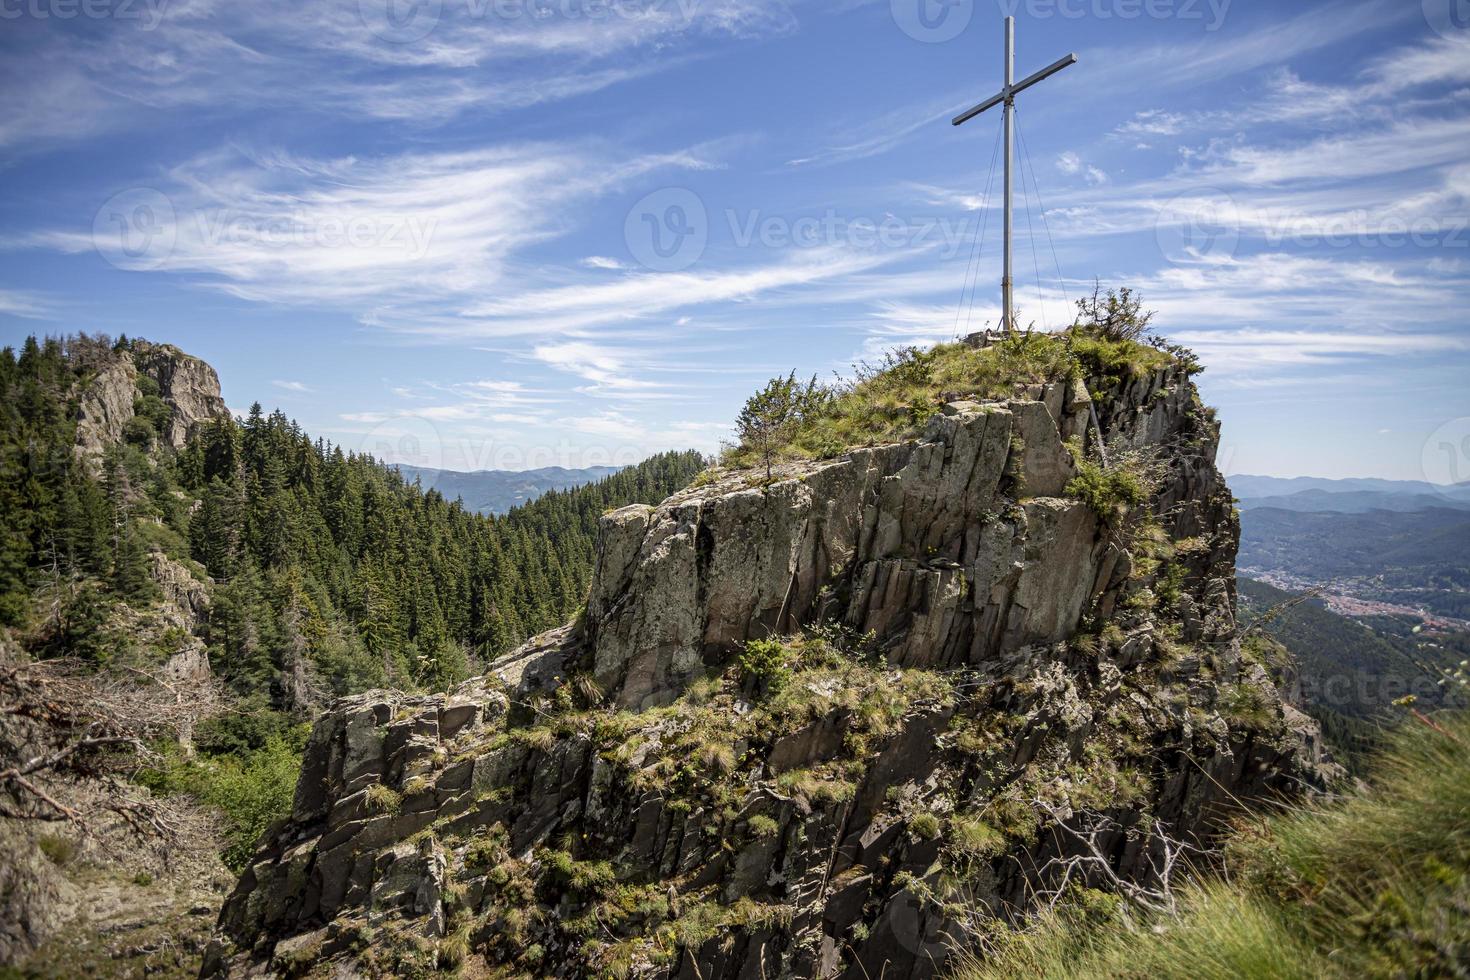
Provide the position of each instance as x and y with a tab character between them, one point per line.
1007	95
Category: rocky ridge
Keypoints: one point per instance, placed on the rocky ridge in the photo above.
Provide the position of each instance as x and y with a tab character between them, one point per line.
822	727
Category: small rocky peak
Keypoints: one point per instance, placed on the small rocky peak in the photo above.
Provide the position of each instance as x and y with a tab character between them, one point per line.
187	388
812	723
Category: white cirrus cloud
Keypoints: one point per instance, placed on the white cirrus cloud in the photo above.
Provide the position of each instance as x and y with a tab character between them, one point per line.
27	305
415	229
68	82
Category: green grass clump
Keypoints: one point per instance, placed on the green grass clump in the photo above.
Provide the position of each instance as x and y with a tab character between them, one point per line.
1111	492
1118	359
1220	934
1373	885
818	785
1245	705
972	838
383	799
892	400
581	876
925	826
762	826
58	850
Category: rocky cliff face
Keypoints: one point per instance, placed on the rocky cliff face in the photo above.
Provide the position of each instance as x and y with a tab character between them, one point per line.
187	385
815	728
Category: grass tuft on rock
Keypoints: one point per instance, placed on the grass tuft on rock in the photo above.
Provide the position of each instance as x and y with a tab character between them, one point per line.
893	399
1113	492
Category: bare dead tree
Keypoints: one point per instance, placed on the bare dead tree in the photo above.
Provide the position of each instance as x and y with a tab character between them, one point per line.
70	740
1154	893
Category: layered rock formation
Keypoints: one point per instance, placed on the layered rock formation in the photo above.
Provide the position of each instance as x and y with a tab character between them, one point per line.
187	385
819	727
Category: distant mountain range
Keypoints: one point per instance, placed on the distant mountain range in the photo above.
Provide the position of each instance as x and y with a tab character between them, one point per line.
497	491
1353	496
1246	485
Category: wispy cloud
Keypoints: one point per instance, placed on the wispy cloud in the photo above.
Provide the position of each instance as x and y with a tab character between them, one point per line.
1250	349
415	230
1071	163
1176	67
885	132
1383	91
566	308
1179	66
347	57
606	367
294	386
30	306
477	399
1153	122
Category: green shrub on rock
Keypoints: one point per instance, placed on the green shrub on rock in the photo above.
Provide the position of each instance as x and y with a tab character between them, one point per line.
764	662
1111	492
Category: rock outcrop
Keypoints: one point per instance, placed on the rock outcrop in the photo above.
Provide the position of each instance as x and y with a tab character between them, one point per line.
105	408
812	728
188	386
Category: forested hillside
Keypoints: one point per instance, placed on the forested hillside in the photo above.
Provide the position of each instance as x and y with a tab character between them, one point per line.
180	593
325	571
1351	671
1345	664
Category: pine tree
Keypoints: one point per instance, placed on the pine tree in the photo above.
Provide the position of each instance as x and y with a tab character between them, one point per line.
130	579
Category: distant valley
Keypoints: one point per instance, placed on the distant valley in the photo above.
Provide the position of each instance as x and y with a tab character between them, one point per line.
1387	565
497	491
1373	547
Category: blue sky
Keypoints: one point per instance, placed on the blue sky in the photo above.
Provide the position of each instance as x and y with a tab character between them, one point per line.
511	233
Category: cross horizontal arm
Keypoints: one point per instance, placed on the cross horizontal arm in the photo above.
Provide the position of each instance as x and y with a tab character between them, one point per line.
1011	92
969	114
1044	74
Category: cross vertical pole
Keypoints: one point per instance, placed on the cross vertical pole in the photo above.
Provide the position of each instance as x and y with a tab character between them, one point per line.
1006	282
1006	98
